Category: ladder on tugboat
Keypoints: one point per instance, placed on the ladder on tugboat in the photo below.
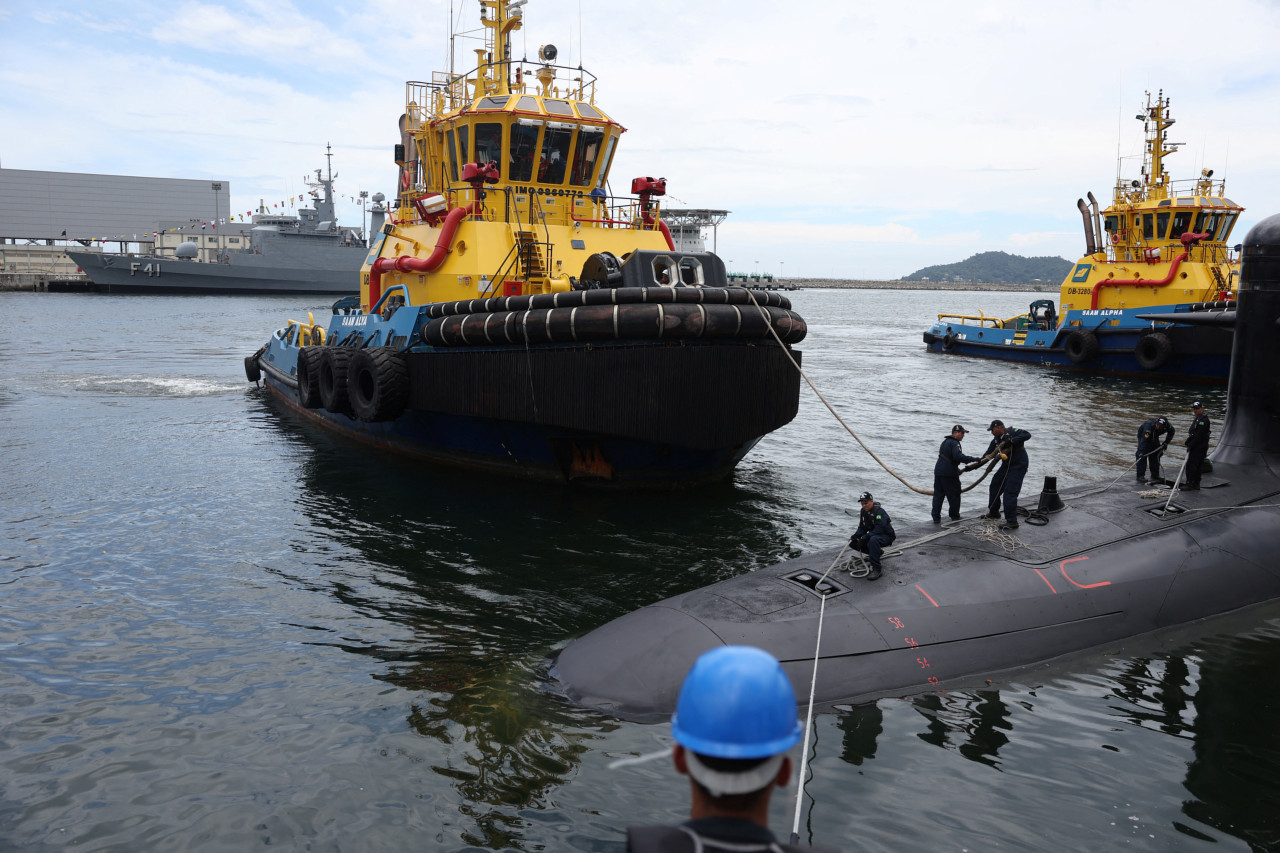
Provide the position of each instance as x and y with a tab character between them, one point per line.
529	251
1217	277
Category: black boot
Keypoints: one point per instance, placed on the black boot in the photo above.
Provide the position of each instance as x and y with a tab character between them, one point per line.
874	574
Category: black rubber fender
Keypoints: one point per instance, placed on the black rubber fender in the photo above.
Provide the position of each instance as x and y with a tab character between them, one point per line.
1081	346
333	379
1153	351
309	359
251	370
377	384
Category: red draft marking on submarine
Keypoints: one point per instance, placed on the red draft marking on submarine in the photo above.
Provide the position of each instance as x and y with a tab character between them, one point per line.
1062	567
926	595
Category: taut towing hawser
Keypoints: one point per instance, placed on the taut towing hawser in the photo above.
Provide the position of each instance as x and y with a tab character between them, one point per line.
514	316
1108	564
1158	255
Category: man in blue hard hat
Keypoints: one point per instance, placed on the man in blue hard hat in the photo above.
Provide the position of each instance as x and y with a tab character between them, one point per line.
734	723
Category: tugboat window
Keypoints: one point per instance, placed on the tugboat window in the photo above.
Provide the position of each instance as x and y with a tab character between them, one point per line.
453	155
524	144
1228	222
528	102
555	155
1162	224
560	108
1148	226
464	148
664	271
1182	223
1209	224
489	143
608	158
691	271
584	157
493	103
587	111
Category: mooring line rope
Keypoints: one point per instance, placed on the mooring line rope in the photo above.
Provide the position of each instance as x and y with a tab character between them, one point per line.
786	351
813	686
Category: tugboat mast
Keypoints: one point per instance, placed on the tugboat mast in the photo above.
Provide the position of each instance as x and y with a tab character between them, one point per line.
1156	122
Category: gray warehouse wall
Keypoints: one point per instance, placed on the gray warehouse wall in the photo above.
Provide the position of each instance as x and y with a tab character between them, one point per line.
41	205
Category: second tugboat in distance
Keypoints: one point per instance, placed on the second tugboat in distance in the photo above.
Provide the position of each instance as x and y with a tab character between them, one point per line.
1156	254
514	317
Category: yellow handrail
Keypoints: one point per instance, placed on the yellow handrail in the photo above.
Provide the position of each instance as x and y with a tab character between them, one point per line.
980	318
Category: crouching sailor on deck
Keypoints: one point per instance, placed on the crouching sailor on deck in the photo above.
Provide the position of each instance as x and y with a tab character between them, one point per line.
874	533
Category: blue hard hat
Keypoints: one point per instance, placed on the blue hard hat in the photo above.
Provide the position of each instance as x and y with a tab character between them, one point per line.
736	702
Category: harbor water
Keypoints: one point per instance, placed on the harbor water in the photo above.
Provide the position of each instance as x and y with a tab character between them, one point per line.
222	628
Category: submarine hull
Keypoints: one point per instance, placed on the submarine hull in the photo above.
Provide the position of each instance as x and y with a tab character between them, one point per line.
953	605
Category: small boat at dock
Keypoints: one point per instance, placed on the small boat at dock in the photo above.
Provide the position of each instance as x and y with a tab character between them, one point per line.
1159	253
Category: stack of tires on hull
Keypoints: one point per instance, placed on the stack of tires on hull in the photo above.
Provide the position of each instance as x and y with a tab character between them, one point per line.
635	385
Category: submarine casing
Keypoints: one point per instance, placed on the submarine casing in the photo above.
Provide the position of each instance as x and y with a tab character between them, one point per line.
1110	566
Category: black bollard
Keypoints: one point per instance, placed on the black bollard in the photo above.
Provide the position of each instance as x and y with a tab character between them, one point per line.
1049	500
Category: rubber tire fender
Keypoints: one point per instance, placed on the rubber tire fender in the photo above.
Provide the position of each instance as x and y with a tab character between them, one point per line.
333	379
1081	347
1153	351
251	370
309	359
378	384
947	340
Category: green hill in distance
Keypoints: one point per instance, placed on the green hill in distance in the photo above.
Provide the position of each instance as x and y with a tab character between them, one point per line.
997	267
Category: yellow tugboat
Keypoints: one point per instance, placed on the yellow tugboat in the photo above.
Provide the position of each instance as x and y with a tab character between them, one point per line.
1158	254
515	316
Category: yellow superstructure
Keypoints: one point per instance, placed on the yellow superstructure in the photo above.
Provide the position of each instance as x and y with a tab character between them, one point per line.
1160	241
503	174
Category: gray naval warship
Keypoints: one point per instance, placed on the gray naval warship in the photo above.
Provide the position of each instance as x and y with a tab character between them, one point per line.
307	253
954	608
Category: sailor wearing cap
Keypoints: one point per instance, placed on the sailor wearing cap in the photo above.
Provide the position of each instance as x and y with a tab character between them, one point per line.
1197	444
1007	482
1150	446
875	532
734	724
946	474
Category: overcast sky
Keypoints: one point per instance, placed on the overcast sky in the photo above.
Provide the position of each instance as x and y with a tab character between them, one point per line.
848	139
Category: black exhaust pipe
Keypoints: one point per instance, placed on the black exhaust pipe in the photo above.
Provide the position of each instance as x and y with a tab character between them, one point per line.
1089	245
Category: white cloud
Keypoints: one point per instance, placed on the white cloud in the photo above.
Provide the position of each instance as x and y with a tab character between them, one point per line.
944	127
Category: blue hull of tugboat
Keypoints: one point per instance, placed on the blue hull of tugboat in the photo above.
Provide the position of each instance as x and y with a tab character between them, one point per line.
1197	353
529	451
524	450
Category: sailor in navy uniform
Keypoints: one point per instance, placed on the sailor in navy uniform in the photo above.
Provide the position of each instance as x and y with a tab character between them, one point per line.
946	474
1007	482
874	533
1150	445
1197	444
